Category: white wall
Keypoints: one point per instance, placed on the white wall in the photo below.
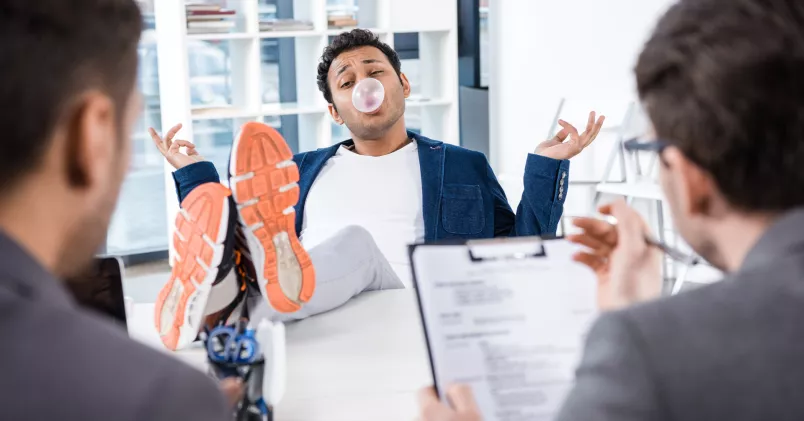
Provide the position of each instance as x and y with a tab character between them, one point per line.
541	51
583	50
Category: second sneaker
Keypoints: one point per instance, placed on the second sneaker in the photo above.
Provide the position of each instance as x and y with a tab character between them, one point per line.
264	182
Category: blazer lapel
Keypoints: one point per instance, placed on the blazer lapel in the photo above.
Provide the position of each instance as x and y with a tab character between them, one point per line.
431	162
309	168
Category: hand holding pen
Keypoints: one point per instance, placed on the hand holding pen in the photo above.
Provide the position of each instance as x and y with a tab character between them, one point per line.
622	255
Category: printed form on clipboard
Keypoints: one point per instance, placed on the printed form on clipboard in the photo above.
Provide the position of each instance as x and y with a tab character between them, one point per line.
507	317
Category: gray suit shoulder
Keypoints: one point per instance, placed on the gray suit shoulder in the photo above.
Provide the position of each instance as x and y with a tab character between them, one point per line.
169	388
180	395
87	368
731	350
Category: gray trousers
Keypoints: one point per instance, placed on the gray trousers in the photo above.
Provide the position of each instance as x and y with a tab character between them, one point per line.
346	265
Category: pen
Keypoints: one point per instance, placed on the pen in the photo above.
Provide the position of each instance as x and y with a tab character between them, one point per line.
673	253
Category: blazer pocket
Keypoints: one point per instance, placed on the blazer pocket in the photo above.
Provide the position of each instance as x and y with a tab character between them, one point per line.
462	209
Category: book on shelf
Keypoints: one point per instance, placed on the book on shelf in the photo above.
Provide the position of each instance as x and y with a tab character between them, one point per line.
202	7
205	19
340	17
341	9
285	25
342	23
224	24
287	29
217	15
201	31
208	17
280	22
219	12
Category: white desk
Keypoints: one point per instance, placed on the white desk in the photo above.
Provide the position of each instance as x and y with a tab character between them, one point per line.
363	361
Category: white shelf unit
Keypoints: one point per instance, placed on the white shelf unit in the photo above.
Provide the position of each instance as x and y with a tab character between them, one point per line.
437	106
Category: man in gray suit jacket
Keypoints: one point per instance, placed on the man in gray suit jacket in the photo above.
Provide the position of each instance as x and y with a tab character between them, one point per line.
68	101
723	84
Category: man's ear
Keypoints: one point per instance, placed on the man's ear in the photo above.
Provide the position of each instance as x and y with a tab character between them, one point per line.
334	113
405	85
90	136
693	187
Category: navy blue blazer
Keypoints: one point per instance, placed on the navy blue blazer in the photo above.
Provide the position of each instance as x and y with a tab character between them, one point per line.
460	193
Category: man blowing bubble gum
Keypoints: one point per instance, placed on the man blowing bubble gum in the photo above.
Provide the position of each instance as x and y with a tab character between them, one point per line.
307	232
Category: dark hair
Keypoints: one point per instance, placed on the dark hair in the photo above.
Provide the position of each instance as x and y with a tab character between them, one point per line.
723	80
348	41
52	50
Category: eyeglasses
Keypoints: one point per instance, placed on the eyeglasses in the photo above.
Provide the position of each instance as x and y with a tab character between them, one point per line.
636	145
687	260
641	145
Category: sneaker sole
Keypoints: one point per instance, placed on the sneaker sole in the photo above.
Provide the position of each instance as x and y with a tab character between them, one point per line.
201	229
264	181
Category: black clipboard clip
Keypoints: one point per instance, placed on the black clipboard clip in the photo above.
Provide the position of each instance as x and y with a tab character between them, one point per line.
505	249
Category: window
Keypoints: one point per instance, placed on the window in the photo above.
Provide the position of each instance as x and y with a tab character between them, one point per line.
139	223
473	43
269	55
209	64
270	71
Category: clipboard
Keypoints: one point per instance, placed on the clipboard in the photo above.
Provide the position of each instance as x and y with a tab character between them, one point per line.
492	257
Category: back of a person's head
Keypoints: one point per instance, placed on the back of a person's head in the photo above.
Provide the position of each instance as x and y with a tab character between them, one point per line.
52	52
723	80
67	91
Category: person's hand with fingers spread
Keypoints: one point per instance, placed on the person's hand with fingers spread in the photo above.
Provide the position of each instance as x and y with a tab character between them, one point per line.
463	405
559	148
171	149
628	269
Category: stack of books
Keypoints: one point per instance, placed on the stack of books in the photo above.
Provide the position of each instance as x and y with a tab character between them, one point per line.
274	25
341	17
204	18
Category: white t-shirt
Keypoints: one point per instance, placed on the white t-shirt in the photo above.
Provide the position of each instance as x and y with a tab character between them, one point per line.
382	194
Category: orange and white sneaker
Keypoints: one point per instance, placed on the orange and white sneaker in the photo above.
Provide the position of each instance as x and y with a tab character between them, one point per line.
203	280
264	182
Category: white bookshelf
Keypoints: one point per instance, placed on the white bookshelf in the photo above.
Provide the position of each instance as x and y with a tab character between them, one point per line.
436	105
